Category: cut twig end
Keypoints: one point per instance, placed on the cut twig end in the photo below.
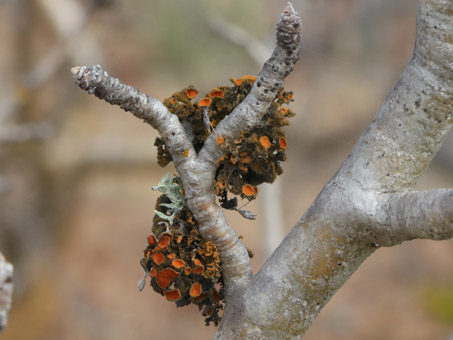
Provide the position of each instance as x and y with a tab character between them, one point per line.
75	70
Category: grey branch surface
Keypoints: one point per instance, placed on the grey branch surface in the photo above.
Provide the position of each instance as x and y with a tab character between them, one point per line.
369	202
6	290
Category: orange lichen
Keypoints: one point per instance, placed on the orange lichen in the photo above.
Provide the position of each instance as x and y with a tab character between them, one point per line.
191	93
165	277
282	142
249	190
198	270
153	272
158	258
205	102
164	241
151	240
185	153
187	270
173	295
265	142
195	290
216	93
179	239
220	139
171	256
177	263
238	82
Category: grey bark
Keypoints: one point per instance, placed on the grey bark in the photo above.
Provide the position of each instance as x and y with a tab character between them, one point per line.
6	290
369	203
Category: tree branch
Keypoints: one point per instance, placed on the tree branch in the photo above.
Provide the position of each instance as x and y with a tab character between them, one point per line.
340	230
6	290
422	214
249	113
197	171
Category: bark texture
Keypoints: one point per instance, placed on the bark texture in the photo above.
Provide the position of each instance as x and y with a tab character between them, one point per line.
368	204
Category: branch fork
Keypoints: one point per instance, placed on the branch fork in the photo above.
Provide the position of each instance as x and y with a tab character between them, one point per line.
197	171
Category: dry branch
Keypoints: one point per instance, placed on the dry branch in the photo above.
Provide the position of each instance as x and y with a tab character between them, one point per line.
197	171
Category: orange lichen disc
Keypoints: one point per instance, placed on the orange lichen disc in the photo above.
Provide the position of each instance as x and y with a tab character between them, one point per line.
220	139
216	93
171	256
195	290
265	142
191	93
198	270
205	102
249	190
164	241
158	258
151	240
236	82
173	295
165	277
179	239
177	263
153	272
187	271
185	153
282	142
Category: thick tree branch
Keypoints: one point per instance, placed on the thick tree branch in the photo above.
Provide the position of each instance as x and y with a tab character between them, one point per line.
342	227
422	214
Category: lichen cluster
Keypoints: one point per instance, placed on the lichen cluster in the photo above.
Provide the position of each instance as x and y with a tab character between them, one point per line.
182	266
248	161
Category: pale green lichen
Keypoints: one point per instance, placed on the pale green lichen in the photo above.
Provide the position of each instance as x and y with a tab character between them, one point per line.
173	189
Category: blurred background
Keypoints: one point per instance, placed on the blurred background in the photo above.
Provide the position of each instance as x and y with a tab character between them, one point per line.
76	204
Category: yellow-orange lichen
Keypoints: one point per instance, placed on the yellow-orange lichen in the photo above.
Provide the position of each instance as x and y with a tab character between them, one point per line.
171	256
165	277
238	82
205	102
191	93
187	270
282	142
198	270
164	241
249	190
185	153
173	295
195	290
265	142
177	263
151	240
216	93
158	258
220	139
